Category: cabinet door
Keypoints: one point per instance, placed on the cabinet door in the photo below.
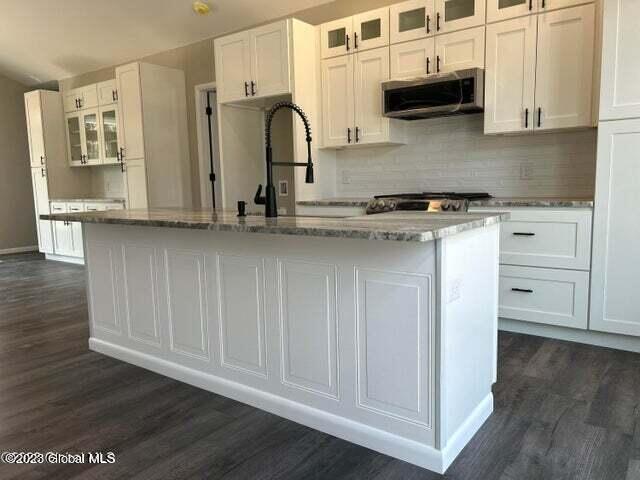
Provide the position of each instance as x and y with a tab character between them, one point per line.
88	96
107	92
498	10
41	203
75	148
412	59
336	37
337	100
371	68
615	303
564	73
454	15
620	88
411	20
62	241
71	100
270	60
460	50
91	137
77	247
35	128
233	67
547	5
371	29
510	75
136	181
109	134
130	106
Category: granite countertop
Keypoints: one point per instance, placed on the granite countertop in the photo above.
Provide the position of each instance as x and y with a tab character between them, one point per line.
88	200
558	202
396	226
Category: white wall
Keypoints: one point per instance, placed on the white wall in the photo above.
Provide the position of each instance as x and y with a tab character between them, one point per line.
452	153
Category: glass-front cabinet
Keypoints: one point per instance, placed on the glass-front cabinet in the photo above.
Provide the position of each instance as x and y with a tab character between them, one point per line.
109	130
74	139
91	133
412	20
454	15
503	9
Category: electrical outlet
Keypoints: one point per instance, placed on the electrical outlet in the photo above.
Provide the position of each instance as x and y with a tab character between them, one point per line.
526	172
283	188
455	290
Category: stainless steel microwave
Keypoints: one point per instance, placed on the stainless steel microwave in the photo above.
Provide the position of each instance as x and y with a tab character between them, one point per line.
435	95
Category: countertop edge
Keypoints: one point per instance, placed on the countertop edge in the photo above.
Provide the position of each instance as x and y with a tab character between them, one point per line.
541	202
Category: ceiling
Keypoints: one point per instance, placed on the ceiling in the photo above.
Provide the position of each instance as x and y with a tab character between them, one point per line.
44	40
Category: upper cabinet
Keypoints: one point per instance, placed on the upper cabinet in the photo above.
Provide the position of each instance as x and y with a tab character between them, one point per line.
352	100
35	128
498	10
459	14
91	124
539	72
412	20
620	84
361	32
254	63
564	70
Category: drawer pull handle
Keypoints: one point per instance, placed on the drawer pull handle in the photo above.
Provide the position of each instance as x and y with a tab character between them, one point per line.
524	234
523	290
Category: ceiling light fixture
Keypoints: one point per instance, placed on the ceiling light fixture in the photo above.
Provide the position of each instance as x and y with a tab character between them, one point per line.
201	8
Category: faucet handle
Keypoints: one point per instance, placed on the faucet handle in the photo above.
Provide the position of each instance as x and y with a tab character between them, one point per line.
258	199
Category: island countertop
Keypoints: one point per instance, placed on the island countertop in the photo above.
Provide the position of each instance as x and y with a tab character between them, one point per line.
394	226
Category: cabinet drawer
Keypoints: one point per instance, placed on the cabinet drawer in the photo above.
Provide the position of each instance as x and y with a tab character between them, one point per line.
58	207
543	295
94	207
543	237
75	207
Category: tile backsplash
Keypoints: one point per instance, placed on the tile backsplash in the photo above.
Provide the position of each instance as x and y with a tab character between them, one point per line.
454	154
108	181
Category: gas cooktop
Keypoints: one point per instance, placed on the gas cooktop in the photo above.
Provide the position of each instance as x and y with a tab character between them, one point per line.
424	201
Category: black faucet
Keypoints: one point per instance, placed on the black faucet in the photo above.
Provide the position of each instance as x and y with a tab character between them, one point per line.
269	200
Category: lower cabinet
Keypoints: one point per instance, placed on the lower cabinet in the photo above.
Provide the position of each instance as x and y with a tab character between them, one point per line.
545	262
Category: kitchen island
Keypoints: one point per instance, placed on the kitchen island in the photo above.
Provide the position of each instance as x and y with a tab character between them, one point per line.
381	330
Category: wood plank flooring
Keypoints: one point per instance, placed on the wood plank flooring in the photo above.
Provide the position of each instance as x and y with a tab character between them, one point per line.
562	410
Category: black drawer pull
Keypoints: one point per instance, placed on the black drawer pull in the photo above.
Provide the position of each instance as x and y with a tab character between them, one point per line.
524	234
523	290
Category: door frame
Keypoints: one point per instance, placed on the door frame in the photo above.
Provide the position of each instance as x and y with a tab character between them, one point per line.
202	126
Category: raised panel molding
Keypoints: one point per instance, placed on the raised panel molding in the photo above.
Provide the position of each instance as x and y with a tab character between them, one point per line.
140	294
105	313
242	314
308	326
186	287
393	333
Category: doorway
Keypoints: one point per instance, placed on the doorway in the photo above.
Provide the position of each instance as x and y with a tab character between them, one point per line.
208	146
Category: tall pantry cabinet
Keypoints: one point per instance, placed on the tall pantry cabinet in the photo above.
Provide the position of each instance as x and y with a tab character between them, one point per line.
615	303
153	142
50	174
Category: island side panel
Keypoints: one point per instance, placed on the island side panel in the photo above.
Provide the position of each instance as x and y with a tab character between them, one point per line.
468	307
338	334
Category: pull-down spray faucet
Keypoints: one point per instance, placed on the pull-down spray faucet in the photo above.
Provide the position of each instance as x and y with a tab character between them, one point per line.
269	200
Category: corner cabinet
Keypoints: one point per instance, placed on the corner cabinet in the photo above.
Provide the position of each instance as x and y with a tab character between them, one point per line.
539	72
254	63
620	84
352	101
615	304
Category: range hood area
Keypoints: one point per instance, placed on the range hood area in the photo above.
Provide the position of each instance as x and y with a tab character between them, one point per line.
439	95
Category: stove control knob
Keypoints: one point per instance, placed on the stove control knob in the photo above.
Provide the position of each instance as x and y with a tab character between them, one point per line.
455	207
445	206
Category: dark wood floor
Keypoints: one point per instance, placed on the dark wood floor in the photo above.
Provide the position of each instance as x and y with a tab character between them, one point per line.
563	410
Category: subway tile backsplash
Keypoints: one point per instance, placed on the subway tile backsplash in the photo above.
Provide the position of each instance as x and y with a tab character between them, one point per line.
454	154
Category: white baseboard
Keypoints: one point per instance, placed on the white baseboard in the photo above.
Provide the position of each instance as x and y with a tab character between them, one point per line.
62	258
9	251
600	339
350	430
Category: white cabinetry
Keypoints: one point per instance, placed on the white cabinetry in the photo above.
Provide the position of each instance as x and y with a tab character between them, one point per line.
550	53
459	14
564	73
412	59
615	303
107	92
153	135
620	84
80	98
254	63
460	50
510	75
353	34
41	203
352	100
